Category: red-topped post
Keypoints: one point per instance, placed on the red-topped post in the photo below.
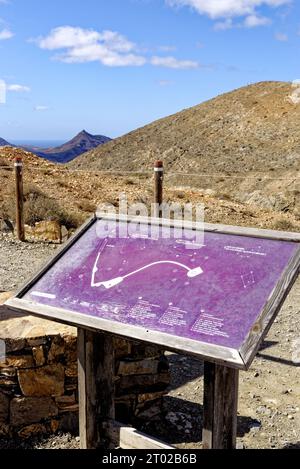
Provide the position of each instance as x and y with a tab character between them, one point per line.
158	187
18	164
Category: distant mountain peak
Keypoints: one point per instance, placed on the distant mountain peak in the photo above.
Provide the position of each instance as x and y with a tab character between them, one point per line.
84	133
81	143
4	143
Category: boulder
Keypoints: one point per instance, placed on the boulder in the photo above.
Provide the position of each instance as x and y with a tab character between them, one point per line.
18	361
278	202
47	231
38	355
6	226
57	349
42	382
28	410
4	408
32	430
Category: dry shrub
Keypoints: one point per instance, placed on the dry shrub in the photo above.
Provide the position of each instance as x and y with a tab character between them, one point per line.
87	206
224	196
129	182
38	207
4	163
284	225
63	183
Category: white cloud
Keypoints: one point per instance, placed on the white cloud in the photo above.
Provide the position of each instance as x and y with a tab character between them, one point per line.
172	62
66	37
229	9
41	108
6	34
18	88
252	21
223	25
282	37
165	82
112	49
86	45
167	48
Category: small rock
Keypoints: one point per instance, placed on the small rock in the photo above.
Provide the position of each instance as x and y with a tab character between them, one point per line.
240	445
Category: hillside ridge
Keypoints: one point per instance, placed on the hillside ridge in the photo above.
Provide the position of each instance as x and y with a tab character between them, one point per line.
253	128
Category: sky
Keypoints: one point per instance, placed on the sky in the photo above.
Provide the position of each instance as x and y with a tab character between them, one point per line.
111	66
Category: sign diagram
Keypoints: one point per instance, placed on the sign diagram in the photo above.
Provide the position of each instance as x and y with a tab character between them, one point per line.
191	273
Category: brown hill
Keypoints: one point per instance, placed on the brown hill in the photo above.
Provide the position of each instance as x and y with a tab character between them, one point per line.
255	128
8	154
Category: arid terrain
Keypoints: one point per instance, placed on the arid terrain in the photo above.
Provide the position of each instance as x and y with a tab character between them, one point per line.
58	192
254	128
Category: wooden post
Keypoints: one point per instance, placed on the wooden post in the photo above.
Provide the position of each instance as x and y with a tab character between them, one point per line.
220	406
96	363
18	164
158	187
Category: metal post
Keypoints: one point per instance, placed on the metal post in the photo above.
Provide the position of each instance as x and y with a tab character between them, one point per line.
18	164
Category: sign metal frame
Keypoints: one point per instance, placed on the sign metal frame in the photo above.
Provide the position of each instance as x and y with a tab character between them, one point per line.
239	359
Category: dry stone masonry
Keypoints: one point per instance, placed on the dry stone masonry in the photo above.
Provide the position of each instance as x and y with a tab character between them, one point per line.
38	378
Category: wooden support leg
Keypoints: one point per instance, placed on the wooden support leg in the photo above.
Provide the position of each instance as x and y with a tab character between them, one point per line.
96	386
220	406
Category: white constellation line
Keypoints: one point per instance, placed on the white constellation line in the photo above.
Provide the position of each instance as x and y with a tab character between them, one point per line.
116	281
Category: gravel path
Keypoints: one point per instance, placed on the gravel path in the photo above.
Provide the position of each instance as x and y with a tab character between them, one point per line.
19	261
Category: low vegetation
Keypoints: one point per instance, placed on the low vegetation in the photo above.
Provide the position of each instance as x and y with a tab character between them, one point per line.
38	206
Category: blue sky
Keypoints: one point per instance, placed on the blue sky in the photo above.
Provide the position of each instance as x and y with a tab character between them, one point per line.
110	66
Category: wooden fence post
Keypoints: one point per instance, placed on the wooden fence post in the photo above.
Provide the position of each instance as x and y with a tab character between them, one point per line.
220	406
96	374
18	164
158	188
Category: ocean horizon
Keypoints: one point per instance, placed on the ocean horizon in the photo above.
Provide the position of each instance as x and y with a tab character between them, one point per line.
39	143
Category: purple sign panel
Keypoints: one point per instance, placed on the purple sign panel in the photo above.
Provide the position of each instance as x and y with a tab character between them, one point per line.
212	293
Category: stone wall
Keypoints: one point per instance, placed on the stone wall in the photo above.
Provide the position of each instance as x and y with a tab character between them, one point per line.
38	378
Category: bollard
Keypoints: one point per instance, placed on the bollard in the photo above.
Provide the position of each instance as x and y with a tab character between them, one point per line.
18	164
158	188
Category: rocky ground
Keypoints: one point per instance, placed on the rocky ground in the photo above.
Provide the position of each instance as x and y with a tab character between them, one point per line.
19	261
269	404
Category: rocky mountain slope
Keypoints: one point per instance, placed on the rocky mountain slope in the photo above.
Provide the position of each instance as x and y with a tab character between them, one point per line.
8	154
253	128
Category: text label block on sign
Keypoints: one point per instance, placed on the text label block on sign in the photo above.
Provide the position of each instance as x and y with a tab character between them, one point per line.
211	295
